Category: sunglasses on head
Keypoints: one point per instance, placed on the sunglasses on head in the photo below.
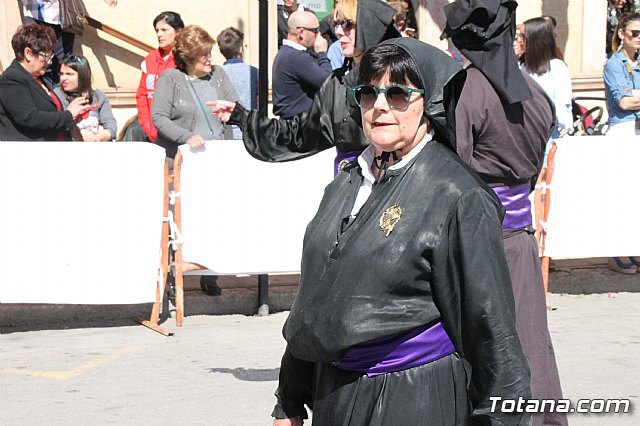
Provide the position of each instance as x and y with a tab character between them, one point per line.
73	58
346	24
633	33
315	30
397	95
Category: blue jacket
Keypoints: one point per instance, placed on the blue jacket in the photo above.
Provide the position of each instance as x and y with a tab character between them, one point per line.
618	83
297	76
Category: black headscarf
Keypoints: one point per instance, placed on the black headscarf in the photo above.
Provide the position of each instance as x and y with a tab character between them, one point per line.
483	30
442	78
374	23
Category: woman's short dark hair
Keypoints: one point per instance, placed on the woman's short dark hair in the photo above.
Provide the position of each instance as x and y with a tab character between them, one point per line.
39	38
80	65
622	25
191	43
627	7
172	18
540	47
392	59
230	42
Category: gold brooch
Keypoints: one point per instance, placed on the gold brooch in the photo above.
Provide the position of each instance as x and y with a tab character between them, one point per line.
389	219
344	163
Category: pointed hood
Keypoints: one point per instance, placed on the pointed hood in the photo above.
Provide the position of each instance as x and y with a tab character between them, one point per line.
442	78
483	30
374	23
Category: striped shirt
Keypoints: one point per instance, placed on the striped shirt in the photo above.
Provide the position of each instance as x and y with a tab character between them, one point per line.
43	11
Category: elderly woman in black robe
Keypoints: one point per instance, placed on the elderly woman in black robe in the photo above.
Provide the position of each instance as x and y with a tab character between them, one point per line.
404	313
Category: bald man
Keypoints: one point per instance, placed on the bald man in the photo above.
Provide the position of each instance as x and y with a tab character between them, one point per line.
299	72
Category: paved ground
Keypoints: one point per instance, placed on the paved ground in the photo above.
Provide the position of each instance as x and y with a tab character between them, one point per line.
222	369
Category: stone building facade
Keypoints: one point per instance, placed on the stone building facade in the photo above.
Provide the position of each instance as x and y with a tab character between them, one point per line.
115	64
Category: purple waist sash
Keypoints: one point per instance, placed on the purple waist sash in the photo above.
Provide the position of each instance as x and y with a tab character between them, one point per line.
343	158
515	199
418	347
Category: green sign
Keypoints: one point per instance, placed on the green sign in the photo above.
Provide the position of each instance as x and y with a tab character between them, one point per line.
320	7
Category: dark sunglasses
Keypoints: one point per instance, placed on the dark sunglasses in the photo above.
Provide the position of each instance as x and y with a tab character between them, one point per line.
347	25
397	95
633	33
315	30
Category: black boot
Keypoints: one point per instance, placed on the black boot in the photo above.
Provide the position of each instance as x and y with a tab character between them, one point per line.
209	284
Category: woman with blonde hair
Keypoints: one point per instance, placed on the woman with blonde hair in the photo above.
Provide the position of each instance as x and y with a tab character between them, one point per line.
180	112
332	120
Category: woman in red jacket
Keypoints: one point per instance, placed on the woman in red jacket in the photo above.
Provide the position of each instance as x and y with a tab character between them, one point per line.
166	25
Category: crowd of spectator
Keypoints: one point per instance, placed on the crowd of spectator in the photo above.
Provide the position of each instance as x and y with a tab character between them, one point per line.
46	94
57	101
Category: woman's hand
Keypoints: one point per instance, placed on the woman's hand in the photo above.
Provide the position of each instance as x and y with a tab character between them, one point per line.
294	421
222	109
89	136
195	141
77	106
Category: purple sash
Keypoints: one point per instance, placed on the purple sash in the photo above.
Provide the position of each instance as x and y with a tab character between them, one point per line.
396	353
515	199
343	158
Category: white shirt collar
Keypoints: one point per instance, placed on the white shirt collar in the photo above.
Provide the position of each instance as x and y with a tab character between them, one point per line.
365	160
297	46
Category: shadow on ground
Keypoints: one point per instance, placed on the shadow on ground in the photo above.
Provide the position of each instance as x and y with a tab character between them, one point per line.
250	374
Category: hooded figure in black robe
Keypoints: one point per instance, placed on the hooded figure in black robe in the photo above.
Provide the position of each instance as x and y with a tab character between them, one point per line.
334	118
424	249
503	121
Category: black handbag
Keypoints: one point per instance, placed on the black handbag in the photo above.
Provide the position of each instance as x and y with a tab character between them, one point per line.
73	16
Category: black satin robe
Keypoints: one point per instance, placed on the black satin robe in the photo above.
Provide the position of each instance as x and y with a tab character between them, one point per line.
443	261
333	120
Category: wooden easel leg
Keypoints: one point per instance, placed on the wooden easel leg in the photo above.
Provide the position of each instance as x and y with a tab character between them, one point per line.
152	322
179	293
545	273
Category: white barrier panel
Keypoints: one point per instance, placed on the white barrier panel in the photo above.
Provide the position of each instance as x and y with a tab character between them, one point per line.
81	222
595	203
241	215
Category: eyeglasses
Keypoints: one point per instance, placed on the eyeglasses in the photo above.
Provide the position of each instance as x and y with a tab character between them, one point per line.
346	24
314	30
633	33
48	57
397	95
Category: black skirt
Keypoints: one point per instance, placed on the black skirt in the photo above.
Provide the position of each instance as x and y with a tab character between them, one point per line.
432	394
